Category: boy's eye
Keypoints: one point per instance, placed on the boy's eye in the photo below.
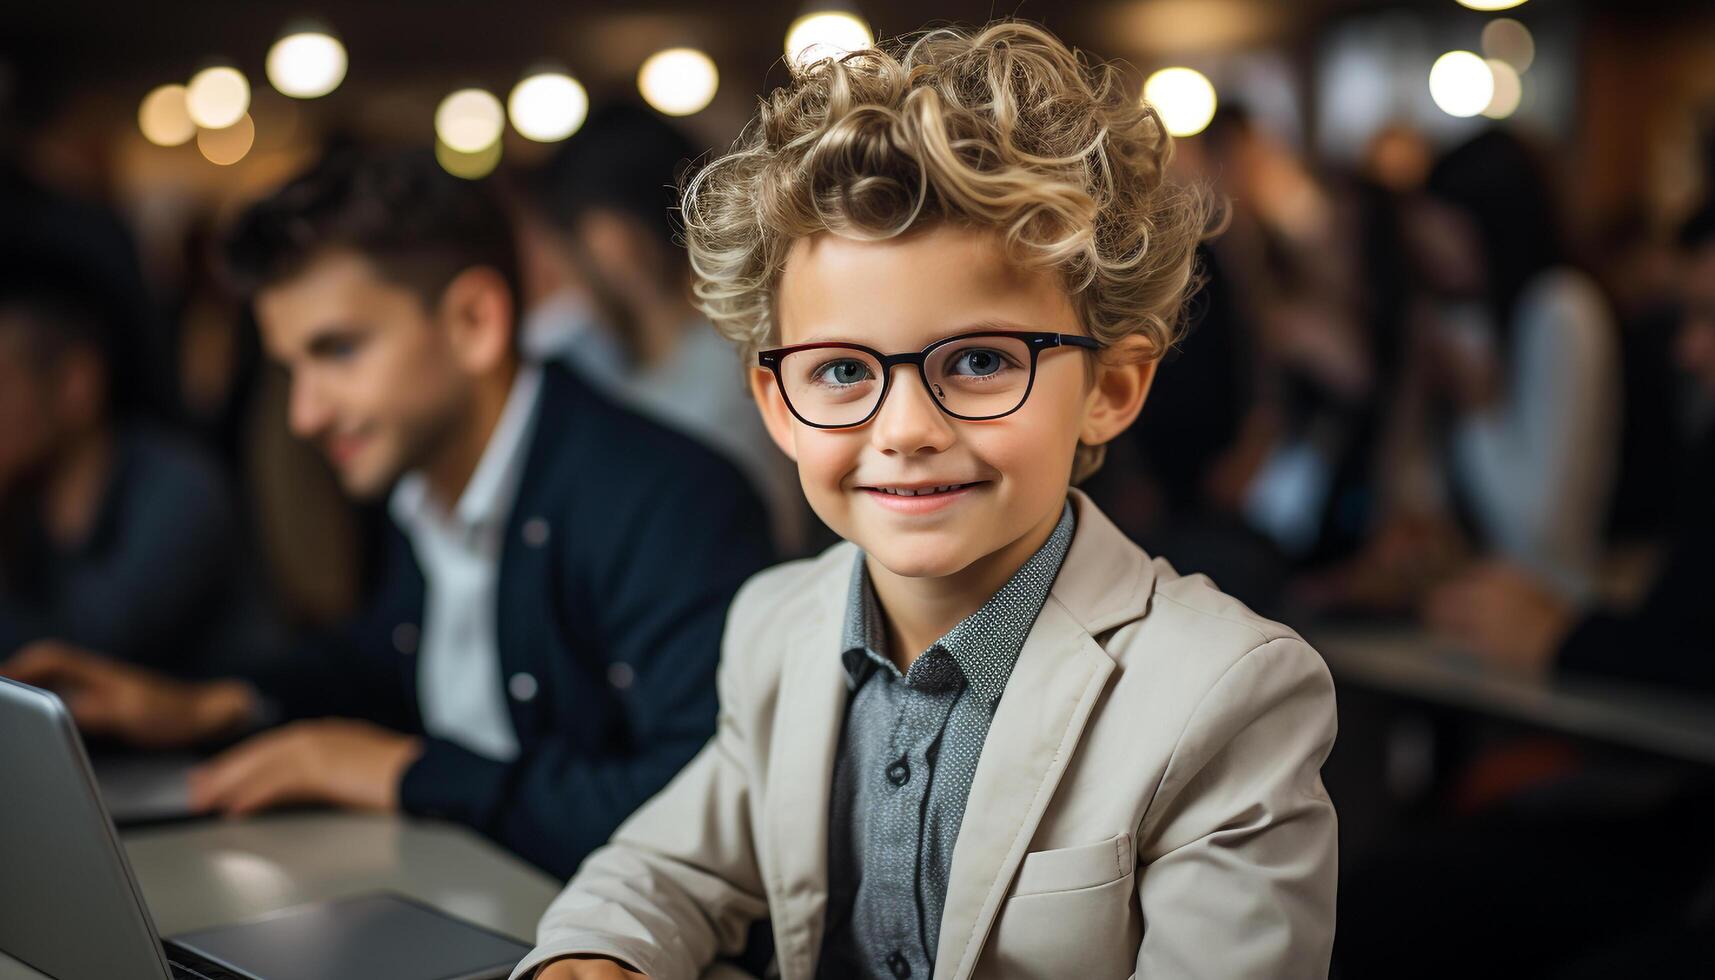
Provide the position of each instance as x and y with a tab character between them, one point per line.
977	362
845	371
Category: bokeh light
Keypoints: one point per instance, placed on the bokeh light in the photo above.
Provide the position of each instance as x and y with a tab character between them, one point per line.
1509	90
1510	41
470	166
306	65
1461	83
217	97
227	146
678	81
1490	4
469	120
827	34
164	118
548	106
1184	97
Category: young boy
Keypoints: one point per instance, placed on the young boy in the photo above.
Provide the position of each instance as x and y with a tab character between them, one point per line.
986	735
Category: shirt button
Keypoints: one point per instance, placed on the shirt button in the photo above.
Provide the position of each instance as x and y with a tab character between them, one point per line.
522	686
535	532
405	637
899	774
898	964
621	676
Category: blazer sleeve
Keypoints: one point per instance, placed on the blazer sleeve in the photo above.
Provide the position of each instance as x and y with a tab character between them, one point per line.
680	881
1238	871
654	578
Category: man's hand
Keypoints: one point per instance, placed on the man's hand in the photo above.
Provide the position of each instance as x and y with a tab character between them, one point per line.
108	697
332	760
1500	613
586	968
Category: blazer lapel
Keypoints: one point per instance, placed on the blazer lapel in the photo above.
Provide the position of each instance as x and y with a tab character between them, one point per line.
800	774
1105	581
1055	683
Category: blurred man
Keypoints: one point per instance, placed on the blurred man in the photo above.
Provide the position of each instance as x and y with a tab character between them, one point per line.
608	289
540	655
1503	613
113	534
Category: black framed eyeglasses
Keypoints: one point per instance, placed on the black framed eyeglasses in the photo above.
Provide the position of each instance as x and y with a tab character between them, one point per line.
973	376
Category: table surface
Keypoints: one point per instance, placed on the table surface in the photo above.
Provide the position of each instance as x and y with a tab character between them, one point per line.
209	873
1415	664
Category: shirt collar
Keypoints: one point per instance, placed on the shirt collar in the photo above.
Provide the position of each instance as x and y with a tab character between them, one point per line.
487	497
985	644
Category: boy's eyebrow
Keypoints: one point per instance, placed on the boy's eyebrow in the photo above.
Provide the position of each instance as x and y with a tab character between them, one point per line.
979	326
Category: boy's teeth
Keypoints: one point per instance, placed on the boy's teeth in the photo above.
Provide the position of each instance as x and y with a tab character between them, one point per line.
903	492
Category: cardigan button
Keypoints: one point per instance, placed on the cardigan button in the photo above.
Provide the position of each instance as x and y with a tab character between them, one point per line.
522	687
405	637
535	532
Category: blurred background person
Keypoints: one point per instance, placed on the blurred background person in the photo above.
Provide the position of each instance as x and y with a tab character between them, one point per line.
115	533
1522	350
607	289
1498	429
1261	453
1507	613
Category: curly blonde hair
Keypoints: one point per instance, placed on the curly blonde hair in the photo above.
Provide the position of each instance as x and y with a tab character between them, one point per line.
1005	128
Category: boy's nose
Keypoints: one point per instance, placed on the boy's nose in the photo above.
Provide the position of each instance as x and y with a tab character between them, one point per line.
909	421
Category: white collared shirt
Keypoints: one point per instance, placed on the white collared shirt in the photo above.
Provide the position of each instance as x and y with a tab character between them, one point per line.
459	685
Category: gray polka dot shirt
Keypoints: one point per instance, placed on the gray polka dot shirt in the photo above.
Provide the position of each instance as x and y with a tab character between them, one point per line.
908	752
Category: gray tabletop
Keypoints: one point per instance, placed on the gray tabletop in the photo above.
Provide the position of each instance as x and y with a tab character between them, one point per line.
1414	664
214	872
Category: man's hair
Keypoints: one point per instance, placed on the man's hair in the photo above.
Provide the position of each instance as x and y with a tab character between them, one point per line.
625	158
1504	185
419	225
1698	231
1004	128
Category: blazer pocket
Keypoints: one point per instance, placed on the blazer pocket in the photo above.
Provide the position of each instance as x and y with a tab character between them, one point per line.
1072	868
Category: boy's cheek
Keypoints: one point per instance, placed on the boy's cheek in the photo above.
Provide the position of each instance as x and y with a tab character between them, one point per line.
823	464
1020	449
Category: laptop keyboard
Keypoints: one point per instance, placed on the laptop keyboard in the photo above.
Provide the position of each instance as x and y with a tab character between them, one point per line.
189	966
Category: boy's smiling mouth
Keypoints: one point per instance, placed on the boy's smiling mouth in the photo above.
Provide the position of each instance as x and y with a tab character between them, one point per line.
919	490
919	498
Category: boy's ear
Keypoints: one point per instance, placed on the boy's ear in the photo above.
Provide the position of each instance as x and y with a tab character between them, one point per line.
765	388
1125	370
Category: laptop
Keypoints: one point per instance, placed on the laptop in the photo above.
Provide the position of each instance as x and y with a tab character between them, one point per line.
70	906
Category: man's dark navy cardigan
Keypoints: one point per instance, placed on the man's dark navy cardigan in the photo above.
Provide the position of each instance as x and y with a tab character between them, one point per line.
623	549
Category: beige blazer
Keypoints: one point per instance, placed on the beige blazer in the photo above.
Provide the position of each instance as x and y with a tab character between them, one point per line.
1148	803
